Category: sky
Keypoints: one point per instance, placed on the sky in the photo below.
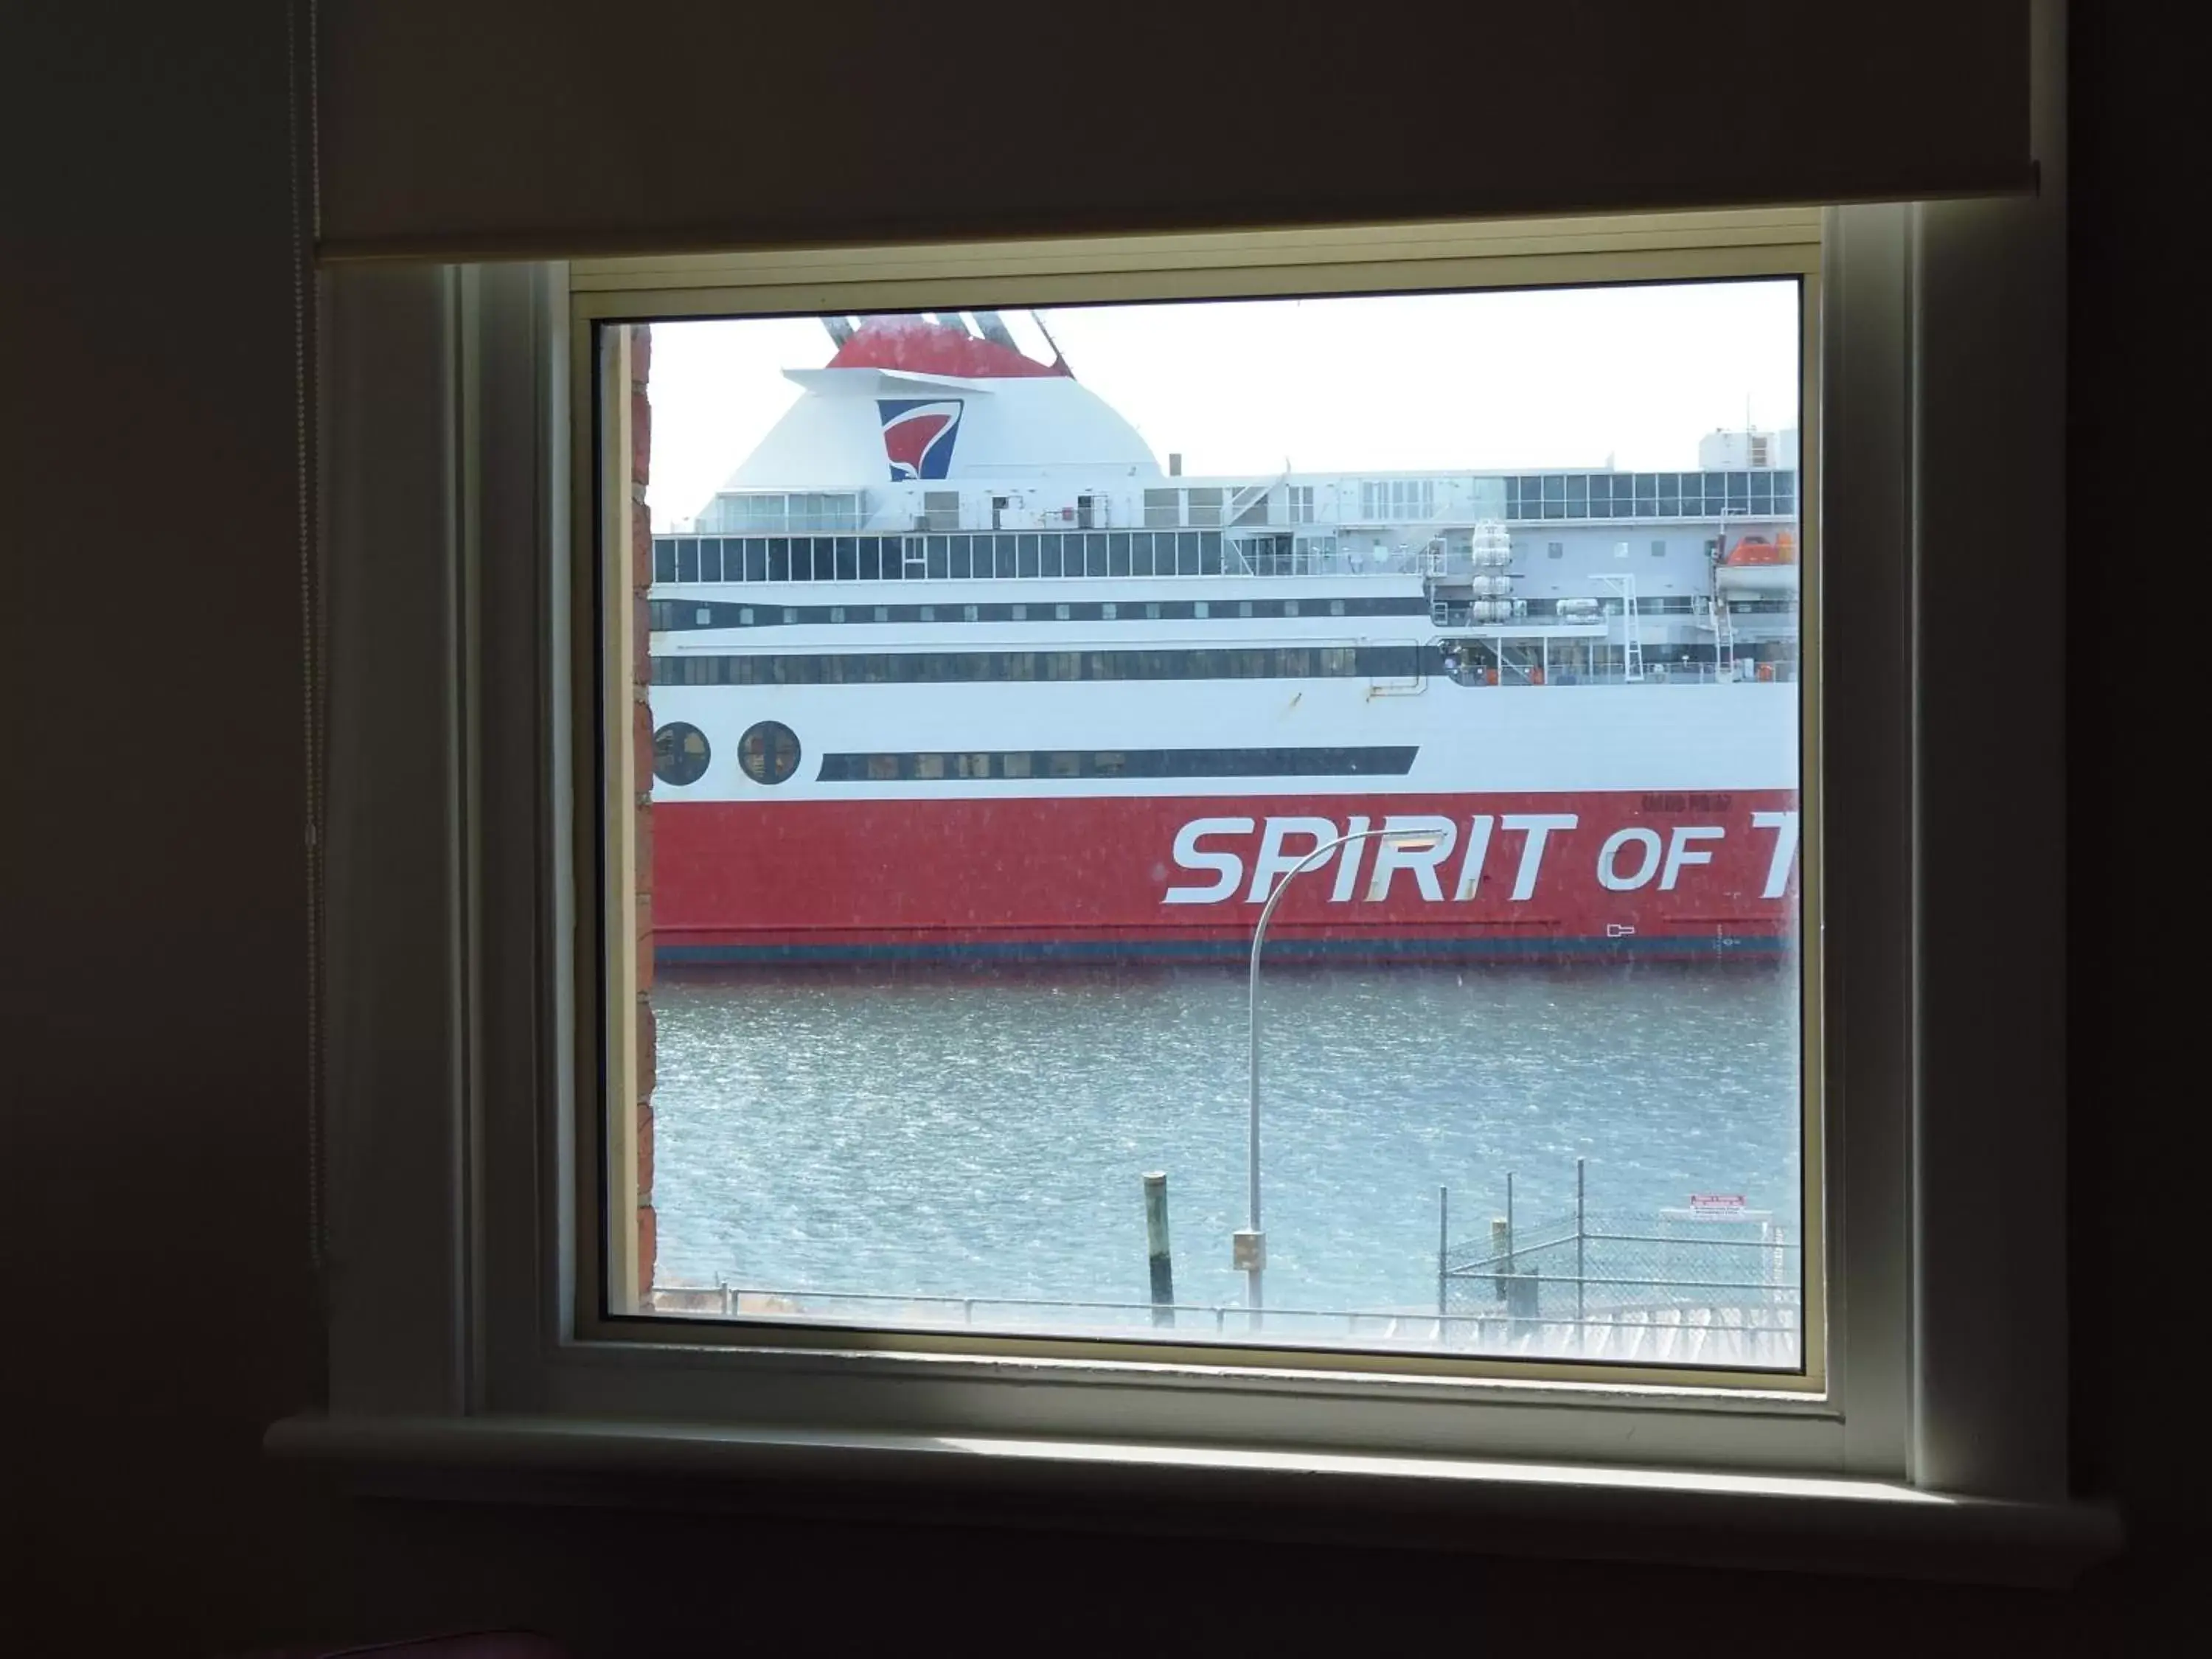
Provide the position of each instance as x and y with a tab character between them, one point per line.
1521	379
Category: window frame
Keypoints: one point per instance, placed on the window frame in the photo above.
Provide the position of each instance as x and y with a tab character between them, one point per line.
462	384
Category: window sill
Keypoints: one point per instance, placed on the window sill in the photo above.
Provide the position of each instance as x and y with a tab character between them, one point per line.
1774	1523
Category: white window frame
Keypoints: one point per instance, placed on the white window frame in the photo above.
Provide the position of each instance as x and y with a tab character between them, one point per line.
465	1043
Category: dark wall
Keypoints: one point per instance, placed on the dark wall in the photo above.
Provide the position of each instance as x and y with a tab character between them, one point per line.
161	1313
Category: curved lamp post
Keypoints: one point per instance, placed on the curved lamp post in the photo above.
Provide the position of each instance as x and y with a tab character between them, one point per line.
1251	1245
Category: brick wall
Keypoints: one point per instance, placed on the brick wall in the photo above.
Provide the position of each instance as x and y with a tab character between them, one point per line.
641	577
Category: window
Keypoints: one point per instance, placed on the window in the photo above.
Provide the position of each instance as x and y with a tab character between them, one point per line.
769	752
1555	549
1396	499
1300	503
1746	1436
1256	762
679	753
1659	547
1400	867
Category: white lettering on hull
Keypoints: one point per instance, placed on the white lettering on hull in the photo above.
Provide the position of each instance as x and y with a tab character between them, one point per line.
1630	859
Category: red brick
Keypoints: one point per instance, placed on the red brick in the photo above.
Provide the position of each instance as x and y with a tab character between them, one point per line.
641	746
640	352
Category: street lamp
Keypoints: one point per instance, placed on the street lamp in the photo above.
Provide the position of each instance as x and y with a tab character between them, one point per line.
1250	1244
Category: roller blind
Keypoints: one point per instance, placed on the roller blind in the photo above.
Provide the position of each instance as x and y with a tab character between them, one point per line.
462	128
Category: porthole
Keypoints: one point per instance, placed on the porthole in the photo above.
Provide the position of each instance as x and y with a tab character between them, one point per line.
680	753
769	752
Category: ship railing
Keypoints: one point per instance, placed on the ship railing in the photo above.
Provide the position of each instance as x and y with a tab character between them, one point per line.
1513	674
1727	1326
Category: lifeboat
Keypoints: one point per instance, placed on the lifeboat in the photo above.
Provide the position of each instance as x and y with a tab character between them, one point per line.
1756	565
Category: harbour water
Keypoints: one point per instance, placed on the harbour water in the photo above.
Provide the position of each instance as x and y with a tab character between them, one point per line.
939	1132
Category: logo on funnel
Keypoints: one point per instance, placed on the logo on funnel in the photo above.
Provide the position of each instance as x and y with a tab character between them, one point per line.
918	437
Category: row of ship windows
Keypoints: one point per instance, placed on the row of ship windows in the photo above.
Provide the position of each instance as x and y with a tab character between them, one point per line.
678	616
1385	662
929	767
769	752
1009	555
1651	495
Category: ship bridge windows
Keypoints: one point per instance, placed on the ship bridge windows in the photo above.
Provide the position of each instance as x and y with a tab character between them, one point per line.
773	512
1163	507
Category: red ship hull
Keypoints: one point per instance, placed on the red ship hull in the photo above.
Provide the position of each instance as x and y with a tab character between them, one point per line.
1521	877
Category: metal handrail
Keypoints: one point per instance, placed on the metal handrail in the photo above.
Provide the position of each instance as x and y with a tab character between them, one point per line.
732	1293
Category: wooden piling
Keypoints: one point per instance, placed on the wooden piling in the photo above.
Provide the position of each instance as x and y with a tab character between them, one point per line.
1157	1251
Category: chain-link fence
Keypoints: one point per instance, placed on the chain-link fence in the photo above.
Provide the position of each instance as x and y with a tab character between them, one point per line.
1594	1267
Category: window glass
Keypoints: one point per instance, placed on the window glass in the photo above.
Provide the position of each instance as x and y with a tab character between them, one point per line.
679	753
1529	1076
768	751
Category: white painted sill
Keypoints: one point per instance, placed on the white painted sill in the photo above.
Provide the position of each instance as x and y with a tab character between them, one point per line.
1777	1522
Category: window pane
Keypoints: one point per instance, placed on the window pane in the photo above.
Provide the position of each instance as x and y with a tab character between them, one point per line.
1036	828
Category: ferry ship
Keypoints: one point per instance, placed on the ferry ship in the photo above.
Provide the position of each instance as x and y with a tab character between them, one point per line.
952	666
